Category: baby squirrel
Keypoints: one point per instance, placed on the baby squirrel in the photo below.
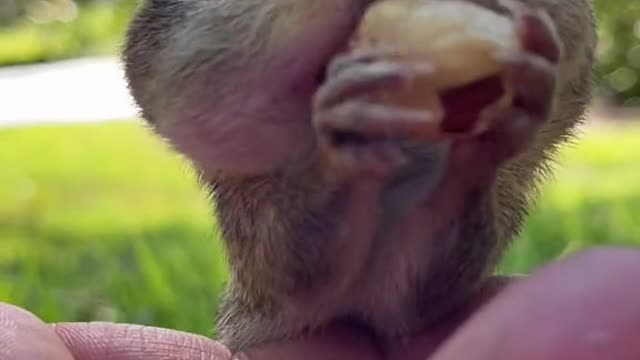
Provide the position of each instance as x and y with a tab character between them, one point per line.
331	208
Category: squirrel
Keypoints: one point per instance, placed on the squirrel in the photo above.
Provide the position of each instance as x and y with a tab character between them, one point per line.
330	206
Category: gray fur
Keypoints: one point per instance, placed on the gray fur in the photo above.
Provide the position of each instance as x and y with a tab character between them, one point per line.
229	83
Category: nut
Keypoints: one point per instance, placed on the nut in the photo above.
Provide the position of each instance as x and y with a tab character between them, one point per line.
459	38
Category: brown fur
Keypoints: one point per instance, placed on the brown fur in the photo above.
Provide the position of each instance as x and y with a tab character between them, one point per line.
229	84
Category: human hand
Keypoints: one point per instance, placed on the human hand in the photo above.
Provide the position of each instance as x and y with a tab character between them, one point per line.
25	337
585	307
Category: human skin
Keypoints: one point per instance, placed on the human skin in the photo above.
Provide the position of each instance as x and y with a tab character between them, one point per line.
586	306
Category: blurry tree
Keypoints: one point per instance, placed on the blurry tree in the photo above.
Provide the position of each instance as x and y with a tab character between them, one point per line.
14	11
43	30
619	52
10	10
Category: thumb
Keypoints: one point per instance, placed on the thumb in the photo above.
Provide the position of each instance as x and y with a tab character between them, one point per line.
106	341
25	337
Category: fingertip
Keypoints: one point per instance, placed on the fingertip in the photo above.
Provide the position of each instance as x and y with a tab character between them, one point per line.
536	28
538	35
532	81
23	336
586	306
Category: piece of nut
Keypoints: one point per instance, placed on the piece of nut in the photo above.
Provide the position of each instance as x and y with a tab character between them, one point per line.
459	38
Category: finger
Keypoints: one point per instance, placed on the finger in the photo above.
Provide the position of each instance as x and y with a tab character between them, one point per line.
533	81
539	36
379	120
358	56
536	29
105	341
359	80
25	337
586	307
367	79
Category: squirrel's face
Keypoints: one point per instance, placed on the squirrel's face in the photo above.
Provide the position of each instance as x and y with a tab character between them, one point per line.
303	38
230	82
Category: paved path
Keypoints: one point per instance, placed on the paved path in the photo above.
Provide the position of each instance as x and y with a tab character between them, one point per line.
83	90
92	90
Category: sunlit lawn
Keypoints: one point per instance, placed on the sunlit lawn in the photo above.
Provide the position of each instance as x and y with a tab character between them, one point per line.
593	199
103	222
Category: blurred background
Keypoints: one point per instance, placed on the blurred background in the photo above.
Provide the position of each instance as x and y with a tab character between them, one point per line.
100	221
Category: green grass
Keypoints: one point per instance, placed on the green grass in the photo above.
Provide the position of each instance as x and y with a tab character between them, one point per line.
592	200
104	222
